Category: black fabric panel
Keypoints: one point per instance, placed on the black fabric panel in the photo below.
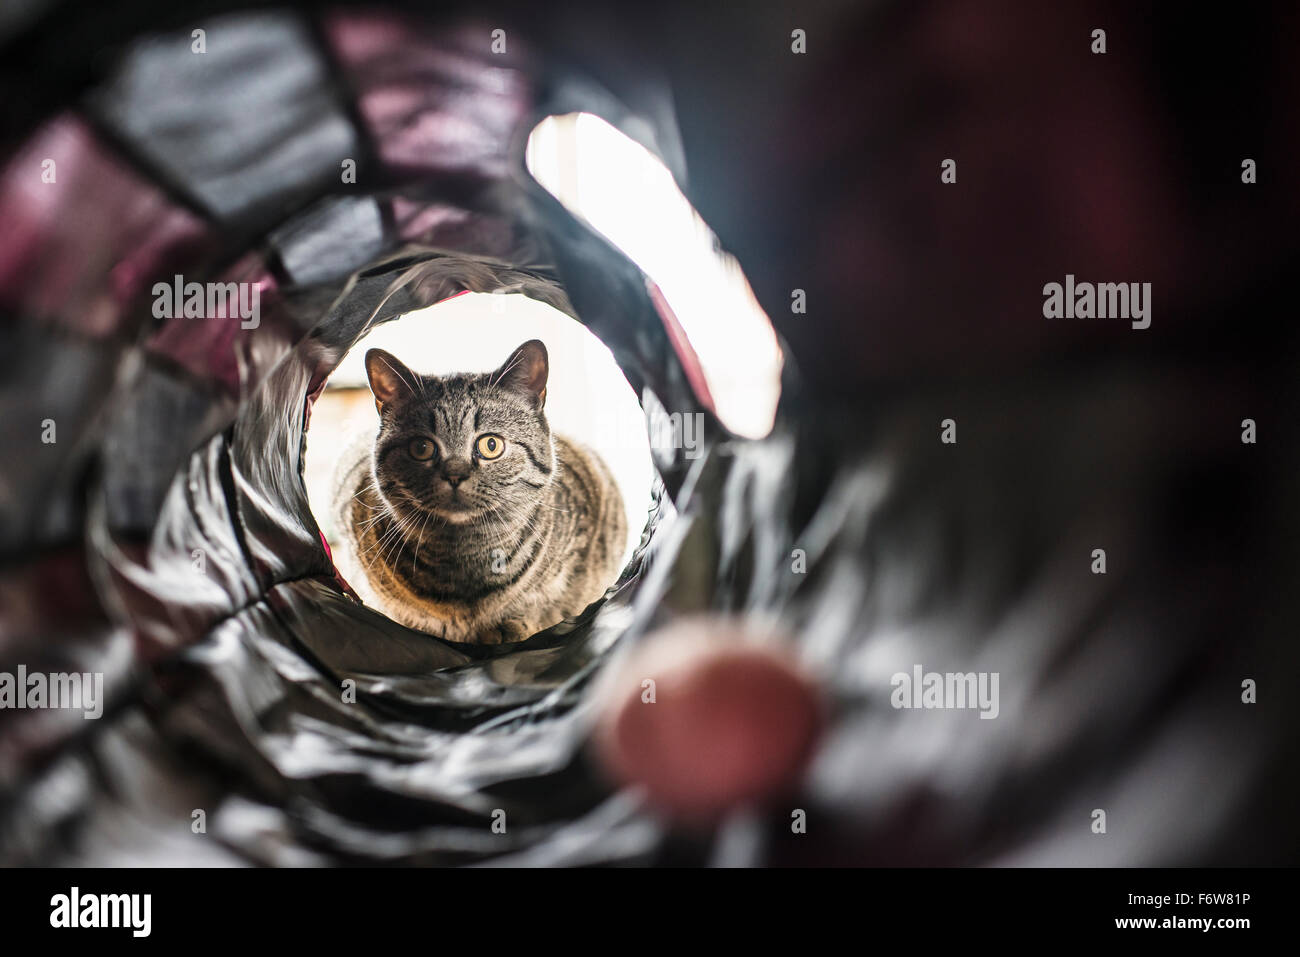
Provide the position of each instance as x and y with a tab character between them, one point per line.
331	241
242	128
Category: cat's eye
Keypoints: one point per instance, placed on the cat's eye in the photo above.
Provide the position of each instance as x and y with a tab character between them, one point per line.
421	450
491	446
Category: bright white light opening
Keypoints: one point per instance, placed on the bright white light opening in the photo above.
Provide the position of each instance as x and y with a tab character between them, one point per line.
587	397
628	195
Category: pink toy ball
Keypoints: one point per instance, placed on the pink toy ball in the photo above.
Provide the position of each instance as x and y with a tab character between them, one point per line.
704	719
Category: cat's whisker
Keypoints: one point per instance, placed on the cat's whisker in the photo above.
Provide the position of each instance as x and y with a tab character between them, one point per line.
394	532
514	361
415	559
403	527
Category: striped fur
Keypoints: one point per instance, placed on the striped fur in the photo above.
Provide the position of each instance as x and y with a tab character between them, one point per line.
463	546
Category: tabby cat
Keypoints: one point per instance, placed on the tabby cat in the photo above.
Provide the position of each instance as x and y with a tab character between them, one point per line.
465	517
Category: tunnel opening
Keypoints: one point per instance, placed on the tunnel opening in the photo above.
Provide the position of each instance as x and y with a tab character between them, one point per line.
588	401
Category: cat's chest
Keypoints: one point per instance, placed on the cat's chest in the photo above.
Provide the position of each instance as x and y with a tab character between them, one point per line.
473	567
457	564
463	591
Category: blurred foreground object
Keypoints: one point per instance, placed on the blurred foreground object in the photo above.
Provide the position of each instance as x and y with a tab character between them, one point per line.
706	721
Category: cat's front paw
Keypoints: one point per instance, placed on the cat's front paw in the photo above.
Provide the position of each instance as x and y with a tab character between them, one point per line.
507	632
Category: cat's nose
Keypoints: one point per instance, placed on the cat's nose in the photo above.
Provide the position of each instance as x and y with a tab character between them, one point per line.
455	471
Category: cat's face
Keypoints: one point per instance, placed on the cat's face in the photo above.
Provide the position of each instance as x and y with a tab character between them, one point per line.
462	448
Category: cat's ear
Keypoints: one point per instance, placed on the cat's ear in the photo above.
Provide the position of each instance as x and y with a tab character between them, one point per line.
390	380
525	371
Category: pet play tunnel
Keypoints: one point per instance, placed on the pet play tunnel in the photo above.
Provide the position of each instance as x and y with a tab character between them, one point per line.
358	163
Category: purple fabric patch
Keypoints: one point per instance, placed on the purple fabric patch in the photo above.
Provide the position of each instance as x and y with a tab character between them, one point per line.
214	333
450	227
83	234
448	105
